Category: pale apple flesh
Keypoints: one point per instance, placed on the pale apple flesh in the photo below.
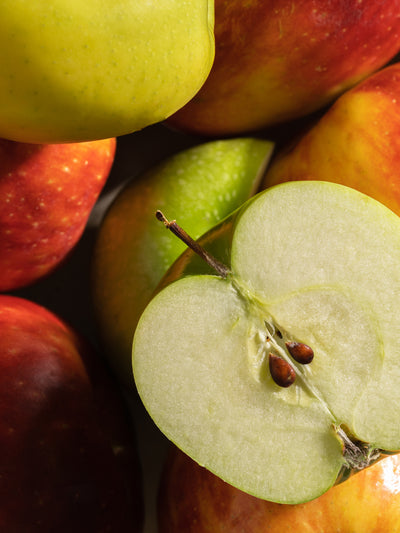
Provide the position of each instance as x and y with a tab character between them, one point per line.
311	262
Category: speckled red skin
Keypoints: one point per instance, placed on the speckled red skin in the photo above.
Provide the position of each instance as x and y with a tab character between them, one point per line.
68	457
356	142
193	500
46	195
277	60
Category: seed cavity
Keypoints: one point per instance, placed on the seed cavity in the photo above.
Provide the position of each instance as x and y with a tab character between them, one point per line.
302	353
281	371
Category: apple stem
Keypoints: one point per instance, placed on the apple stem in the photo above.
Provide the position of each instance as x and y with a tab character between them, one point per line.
221	269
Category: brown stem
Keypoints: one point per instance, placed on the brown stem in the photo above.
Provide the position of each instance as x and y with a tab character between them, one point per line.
221	269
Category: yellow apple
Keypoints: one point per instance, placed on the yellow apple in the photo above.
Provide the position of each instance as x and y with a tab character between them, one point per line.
75	70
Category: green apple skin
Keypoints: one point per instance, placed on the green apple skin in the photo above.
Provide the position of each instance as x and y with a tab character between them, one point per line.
46	195
69	459
78	71
194	500
277	60
200	186
356	142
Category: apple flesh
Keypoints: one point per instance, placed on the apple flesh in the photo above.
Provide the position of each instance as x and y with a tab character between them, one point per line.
69	460
276	60
193	500
202	184
310	262
356	142
79	71
47	193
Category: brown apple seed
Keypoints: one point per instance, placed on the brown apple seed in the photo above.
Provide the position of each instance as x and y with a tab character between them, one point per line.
281	371
300	352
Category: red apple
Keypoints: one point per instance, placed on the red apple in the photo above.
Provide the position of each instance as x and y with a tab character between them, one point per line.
281	59
68	456
46	195
356	142
194	500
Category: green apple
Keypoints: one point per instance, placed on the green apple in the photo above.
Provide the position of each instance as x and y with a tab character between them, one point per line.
276	60
312	263
356	142
75	71
202	184
193	500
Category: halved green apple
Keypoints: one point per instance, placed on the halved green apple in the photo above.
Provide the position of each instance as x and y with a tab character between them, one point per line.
313	263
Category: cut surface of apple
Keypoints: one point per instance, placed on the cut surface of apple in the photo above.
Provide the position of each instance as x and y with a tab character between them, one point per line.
311	262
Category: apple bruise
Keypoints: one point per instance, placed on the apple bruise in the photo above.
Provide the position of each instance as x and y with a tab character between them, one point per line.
287	359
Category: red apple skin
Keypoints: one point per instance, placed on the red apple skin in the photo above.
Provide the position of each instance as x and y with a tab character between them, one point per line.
355	143
277	60
46	195
193	500
68	456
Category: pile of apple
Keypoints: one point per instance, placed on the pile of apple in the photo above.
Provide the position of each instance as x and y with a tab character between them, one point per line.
257	319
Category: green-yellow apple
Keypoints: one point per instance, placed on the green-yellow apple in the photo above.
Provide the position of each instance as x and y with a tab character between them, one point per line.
277	60
46	195
202	184
78	71
221	356
193	500
69	460
356	142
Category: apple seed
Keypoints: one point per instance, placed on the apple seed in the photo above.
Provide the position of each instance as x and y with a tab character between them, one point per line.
281	371
300	352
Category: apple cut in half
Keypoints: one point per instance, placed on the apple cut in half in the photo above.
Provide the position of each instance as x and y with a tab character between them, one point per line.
280	371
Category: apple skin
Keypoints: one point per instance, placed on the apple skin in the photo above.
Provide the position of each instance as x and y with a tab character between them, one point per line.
80	71
69	460
199	186
46	195
277	60
356	142
194	500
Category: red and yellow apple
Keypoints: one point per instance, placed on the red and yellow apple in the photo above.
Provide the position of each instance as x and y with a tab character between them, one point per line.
193	500
356	142
278	59
47	192
68	451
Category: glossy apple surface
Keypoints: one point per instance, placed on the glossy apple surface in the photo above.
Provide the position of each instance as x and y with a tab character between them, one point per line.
201	185
280	59
193	500
356	142
78	71
68	453
46	195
